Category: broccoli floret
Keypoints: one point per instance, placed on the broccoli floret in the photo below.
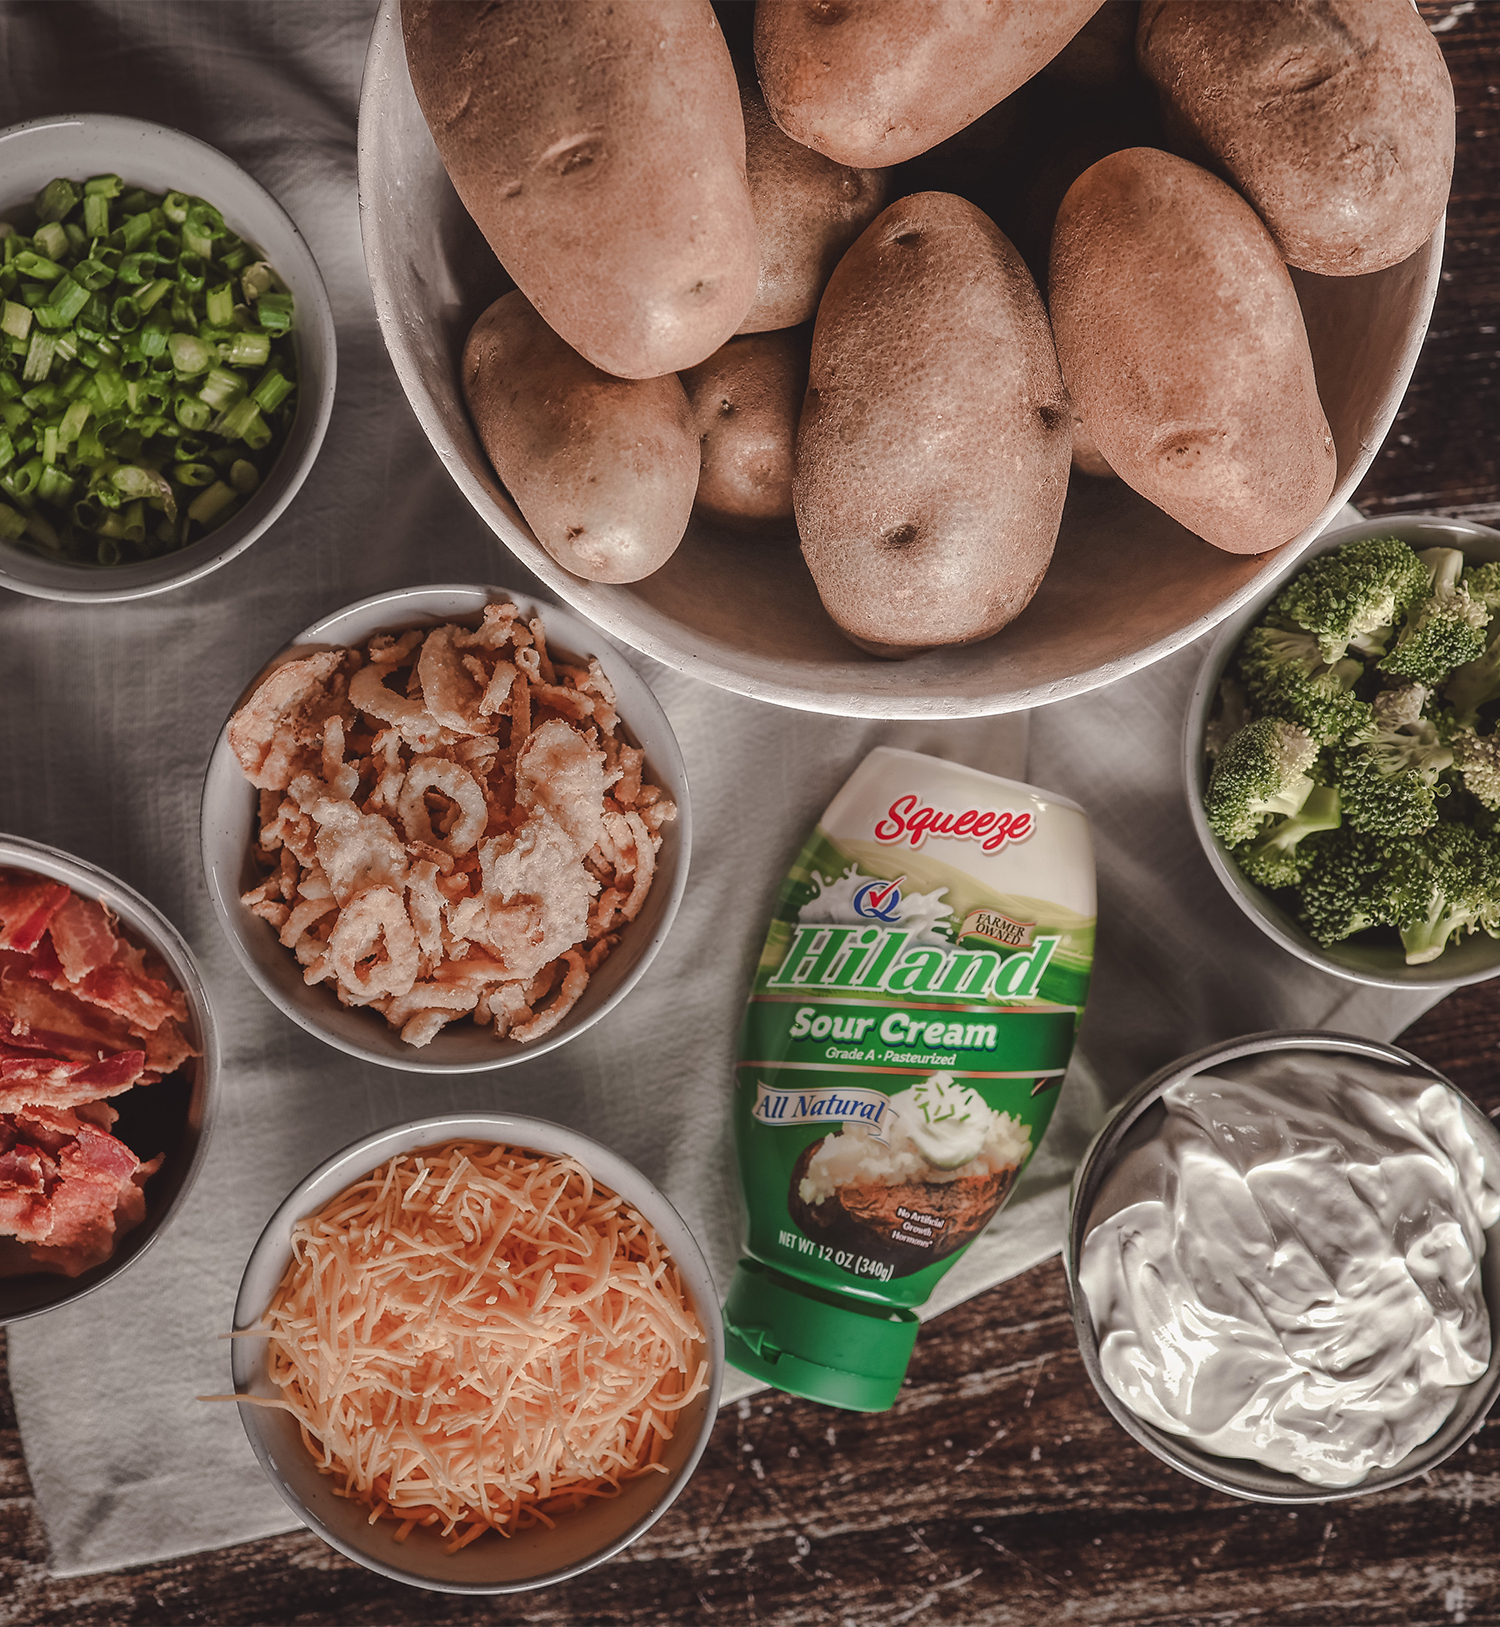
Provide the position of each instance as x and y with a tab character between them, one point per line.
1354	596
1404	703
1455	885
1441	631
1355	882
1388	778
1483	583
1477	759
1474	684
1262	770
1281	857
1286	676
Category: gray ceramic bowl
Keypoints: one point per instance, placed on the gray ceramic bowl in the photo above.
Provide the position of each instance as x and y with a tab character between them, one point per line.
533	1558
1131	1123
1127	586
172	1116
161	159
1476	956
228	825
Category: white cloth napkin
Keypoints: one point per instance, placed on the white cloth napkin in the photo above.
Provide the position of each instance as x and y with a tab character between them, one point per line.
106	720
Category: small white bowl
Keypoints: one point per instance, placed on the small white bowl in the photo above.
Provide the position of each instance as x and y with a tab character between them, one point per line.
161	159
172	1116
1471	960
1132	1122
532	1558
229	824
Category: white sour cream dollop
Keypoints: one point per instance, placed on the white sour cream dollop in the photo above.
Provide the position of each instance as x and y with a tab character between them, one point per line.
1288	1270
945	1121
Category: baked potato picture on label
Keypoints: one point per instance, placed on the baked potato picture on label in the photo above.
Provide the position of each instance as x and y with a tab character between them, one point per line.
918	1187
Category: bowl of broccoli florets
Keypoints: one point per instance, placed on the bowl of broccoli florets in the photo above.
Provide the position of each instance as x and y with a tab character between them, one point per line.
1343	754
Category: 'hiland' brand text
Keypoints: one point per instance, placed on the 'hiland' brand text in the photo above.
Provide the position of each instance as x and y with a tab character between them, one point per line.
875	958
908	819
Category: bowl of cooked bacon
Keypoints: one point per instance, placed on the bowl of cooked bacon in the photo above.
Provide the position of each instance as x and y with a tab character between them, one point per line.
108	1068
477	1353
446	828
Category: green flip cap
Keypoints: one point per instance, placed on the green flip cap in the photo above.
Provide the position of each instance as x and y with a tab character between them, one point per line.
816	1344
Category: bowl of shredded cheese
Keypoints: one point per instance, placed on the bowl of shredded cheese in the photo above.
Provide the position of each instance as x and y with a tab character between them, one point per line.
477	1353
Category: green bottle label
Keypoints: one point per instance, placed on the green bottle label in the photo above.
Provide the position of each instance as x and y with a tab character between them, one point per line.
912	1016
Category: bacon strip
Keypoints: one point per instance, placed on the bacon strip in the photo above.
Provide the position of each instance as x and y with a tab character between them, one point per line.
49	1081
27	905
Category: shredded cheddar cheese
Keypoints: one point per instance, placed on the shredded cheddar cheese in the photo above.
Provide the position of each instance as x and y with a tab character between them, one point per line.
477	1337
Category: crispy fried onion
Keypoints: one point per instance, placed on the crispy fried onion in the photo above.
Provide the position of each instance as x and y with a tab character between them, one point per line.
450	825
452	780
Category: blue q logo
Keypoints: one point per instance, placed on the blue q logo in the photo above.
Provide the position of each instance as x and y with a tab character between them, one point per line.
879	900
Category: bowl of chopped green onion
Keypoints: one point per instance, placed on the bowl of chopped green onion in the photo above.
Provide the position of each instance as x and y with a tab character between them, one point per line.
167	358
1342	754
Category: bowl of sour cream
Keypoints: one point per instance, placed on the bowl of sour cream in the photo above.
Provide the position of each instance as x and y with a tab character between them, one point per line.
1284	1264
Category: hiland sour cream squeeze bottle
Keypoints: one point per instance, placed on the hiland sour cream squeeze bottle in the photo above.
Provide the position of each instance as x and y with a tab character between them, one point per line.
910	1022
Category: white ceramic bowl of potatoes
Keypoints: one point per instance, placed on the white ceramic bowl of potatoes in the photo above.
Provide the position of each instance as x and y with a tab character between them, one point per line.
1127	584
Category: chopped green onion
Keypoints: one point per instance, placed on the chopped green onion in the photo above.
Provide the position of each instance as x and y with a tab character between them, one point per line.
243	475
7	448
256	280
56	200
189	354
274	312
22	482
136	268
192	273
154	334
136	229
204	220
195	243
39	357
30	264
153	293
247	350
49	445
242	422
96	214
221	389
207	505
134	522
125	314
15	320
93	274
73	421
12	525
195	474
175	207
220	304
55	485
109	549
103	186
68	299
52	240
192	413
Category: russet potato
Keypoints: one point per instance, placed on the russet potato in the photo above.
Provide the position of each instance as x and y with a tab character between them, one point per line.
1333	117
745	400
1184	350
604	469
874	82
601	150
808	210
933	448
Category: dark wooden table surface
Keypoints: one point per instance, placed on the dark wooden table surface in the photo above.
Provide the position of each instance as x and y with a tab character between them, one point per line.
998	1490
